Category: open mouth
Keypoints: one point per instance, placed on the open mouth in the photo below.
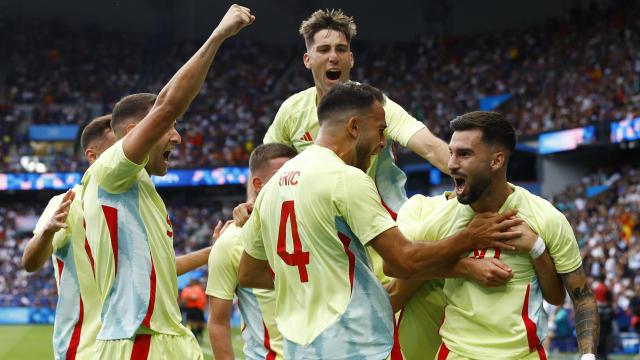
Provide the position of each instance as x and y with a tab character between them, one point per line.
460	183
333	74
166	155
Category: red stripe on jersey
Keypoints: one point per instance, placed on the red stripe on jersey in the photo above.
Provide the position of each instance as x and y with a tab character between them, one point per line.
87	249
532	336
309	137
352	259
443	352
271	355
393	214
75	335
60	267
396	350
141	346
541	353
111	216
152	296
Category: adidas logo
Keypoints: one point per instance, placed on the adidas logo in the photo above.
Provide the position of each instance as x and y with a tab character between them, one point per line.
306	137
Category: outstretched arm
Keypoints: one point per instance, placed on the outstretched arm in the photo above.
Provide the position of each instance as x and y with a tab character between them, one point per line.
431	148
177	94
40	247
586	311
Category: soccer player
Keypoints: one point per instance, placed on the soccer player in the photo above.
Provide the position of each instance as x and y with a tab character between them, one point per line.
262	340
505	322
422	304
60	232
310	225
128	227
327	35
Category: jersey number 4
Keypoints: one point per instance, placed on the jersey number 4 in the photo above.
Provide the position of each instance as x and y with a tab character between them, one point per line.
298	257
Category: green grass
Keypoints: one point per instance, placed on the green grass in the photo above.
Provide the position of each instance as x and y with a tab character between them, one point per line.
33	342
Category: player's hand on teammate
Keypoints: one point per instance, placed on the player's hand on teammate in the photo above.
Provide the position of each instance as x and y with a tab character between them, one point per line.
489	272
492	230
236	18
526	241
219	229
241	213
59	218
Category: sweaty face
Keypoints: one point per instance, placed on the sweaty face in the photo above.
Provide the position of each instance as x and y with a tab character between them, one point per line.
329	58
469	165
160	153
371	138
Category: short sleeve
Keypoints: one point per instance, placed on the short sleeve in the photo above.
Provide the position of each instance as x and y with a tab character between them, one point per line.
224	260
400	125
113	171
278	131
251	238
359	203
561	243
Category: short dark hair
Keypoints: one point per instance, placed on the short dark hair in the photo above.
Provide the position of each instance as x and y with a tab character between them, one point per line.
94	130
327	20
347	97
495	128
131	108
265	152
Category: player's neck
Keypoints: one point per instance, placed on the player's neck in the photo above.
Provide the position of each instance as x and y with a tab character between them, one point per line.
493	198
319	95
334	143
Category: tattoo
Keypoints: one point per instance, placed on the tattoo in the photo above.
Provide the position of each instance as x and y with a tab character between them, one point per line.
586	310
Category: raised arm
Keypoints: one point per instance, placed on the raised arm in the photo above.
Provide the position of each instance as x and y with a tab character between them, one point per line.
431	148
40	247
177	94
586	311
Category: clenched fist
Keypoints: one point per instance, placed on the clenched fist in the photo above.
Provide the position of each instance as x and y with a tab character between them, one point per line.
236	18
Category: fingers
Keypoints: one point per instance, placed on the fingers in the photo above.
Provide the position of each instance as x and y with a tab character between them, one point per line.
508	223
500	264
502	245
69	195
226	225
64	206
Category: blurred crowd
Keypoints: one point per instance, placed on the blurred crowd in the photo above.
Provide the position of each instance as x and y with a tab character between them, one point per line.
603	210
559	75
192	225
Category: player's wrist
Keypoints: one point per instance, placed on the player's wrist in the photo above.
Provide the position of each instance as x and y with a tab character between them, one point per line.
588	356
537	249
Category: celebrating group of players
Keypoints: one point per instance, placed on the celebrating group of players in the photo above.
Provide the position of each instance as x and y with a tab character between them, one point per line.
327	257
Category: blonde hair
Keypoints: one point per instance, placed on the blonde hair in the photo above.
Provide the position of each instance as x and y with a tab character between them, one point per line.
333	19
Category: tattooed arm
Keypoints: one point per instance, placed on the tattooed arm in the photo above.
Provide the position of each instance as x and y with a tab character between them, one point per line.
585	308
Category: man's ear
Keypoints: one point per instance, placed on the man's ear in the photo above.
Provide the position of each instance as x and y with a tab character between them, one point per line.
130	127
498	161
257	183
306	60
90	155
353	126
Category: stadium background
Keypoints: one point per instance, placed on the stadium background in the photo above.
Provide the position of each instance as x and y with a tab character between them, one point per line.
567	73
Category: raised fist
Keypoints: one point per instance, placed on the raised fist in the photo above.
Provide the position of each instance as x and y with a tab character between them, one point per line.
236	18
